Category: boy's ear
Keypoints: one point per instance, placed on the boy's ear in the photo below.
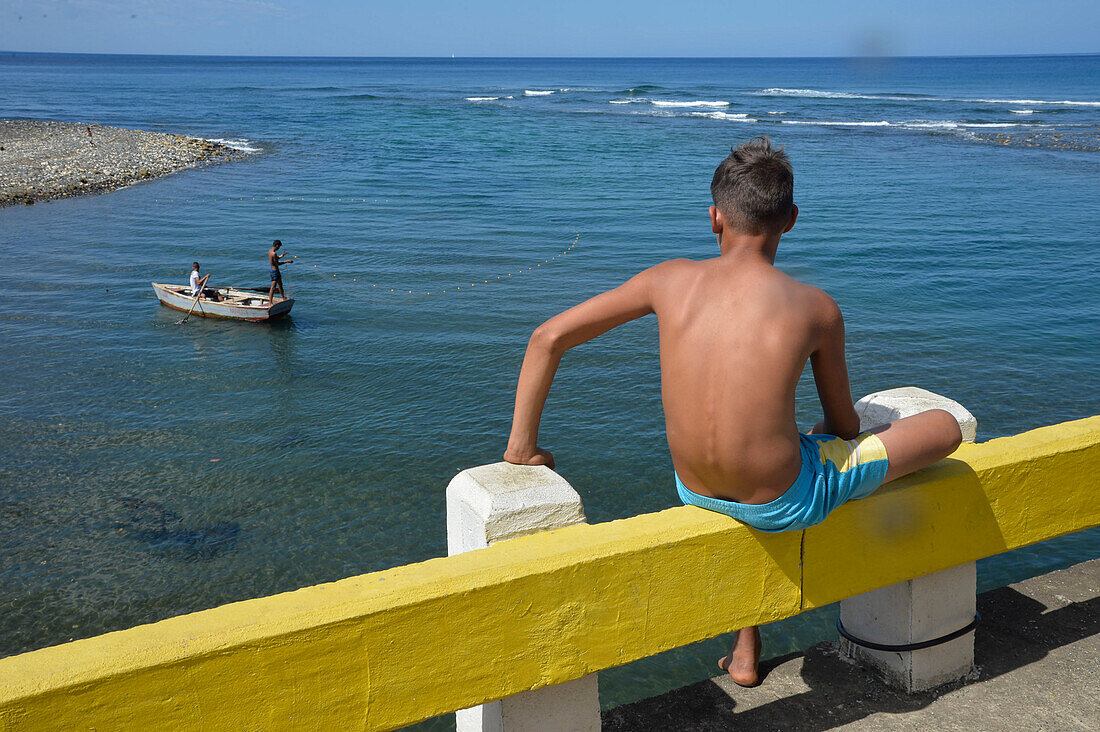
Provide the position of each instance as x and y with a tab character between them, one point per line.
717	223
794	217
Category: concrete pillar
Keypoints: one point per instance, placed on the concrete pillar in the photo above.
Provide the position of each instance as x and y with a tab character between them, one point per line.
501	501
920	609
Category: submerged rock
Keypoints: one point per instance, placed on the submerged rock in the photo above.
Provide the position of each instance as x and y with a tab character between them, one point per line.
164	531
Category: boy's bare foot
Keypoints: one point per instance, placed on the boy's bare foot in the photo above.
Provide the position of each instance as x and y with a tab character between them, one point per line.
743	661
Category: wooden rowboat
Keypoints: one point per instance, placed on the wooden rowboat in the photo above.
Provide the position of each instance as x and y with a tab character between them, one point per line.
234	303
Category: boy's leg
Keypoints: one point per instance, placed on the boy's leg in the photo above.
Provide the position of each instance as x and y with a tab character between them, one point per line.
744	658
918	441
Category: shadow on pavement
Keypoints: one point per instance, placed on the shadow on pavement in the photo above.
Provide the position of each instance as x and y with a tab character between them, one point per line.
1016	630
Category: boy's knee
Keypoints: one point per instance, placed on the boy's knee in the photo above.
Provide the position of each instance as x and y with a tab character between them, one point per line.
948	429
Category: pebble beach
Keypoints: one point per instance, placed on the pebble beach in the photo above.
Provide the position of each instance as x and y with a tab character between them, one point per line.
42	160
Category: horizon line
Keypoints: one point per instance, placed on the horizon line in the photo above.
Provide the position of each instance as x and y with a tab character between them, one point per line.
553	58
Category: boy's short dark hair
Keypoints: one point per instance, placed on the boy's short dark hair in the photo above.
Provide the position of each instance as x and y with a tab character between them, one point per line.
754	187
276	243
194	265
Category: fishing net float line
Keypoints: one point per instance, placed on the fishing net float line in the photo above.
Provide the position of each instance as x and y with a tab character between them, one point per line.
347	199
274	199
490	280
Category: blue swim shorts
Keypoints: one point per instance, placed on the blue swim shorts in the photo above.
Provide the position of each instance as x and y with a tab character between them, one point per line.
834	470
276	276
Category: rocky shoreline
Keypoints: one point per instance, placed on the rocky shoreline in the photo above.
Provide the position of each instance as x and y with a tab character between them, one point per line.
41	160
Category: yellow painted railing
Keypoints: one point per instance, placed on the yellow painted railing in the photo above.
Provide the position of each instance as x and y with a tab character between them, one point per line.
390	648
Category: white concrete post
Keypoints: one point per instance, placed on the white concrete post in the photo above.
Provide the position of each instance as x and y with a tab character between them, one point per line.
920	609
501	501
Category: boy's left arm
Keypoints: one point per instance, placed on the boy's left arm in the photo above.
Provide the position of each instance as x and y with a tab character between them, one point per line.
552	339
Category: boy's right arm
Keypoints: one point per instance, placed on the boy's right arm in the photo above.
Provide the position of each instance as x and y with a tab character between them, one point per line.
831	376
552	339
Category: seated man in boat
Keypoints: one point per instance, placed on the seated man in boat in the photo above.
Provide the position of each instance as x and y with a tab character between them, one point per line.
199	285
275	260
196	283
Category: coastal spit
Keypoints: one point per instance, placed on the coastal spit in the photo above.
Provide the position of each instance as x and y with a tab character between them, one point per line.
42	160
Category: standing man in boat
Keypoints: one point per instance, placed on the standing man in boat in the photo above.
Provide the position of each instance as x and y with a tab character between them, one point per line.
275	260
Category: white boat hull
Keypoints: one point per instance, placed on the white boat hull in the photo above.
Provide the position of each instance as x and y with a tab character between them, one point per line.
233	303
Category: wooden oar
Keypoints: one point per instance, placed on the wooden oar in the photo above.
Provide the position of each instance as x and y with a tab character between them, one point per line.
202	284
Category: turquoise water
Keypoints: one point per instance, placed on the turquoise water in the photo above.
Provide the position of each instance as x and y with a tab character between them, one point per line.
150	469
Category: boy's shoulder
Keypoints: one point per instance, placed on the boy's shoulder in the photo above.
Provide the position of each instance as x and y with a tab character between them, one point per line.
819	305
675	265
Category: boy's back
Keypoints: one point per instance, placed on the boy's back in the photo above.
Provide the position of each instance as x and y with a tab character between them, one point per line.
735	335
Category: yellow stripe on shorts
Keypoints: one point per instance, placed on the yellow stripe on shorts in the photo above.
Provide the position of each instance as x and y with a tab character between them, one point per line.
847	454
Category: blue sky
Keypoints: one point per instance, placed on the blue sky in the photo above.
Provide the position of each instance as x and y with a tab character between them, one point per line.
552	28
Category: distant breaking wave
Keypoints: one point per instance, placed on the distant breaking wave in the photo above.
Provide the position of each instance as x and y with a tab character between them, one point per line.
642	88
778	92
728	116
815	93
663	103
237	143
910	124
834	123
536	93
1062	102
668	103
482	99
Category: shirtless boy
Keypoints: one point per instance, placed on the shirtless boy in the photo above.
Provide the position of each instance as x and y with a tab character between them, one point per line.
276	260
735	335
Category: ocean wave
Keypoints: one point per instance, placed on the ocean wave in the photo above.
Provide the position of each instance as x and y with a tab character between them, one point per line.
634	100
1022	111
357	96
663	103
536	92
779	92
897	97
1058	102
237	143
955	125
835	123
482	99
906	124
641	88
726	116
929	125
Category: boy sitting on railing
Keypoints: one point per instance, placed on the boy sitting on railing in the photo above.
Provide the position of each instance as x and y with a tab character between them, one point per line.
735	335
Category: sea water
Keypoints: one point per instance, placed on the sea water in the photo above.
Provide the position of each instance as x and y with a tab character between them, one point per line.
149	469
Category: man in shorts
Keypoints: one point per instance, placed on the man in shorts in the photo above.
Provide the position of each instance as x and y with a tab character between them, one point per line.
275	260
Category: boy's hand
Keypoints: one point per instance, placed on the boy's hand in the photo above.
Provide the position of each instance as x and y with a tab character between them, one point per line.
537	457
